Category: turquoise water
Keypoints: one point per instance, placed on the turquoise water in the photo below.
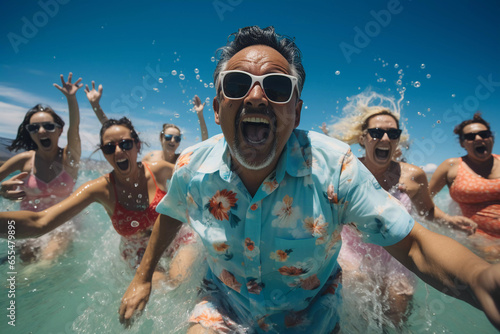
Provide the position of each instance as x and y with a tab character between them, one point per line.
81	292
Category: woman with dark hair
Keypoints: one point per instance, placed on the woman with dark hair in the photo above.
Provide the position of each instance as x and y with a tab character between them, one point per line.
474	179
48	172
129	194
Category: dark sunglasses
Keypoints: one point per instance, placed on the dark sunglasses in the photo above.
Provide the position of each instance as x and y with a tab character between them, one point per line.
176	138
377	133
472	135
110	148
277	87
48	126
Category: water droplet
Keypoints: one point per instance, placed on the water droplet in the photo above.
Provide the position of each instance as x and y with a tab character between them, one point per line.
337	72
139	196
212	59
211	85
154	42
396	65
197	77
438	121
416	84
129	196
196	70
174	72
177	115
160	80
428	76
182	76
399	82
452	95
428	109
205	84
156	90
207	100
134	223
37	201
422	66
136	185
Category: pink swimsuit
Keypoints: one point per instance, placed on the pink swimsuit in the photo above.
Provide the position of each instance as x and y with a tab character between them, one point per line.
479	199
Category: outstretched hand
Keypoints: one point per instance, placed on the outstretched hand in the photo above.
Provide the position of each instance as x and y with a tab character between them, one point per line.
93	95
198	107
9	189
68	88
134	301
487	291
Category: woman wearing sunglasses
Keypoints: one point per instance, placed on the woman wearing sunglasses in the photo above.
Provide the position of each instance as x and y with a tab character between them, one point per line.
48	172
377	129
474	182
170	137
129	194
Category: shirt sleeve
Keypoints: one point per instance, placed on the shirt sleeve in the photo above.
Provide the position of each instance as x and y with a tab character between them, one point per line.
174	204
379	216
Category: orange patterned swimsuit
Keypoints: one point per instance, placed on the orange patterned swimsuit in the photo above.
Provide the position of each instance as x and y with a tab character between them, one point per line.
479	199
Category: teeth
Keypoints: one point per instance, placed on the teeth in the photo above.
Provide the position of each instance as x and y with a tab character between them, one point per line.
121	160
256	120
383	148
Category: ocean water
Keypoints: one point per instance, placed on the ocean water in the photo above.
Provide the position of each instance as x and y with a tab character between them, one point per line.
81	292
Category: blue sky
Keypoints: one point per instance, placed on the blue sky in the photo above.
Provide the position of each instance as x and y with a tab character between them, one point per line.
447	52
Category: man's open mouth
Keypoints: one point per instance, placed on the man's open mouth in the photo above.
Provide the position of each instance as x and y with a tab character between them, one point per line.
255	130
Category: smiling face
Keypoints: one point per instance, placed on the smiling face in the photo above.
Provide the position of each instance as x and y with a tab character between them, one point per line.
256	129
123	161
171	145
479	149
379	152
46	141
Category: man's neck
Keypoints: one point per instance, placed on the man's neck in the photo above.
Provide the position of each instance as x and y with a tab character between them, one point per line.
252	179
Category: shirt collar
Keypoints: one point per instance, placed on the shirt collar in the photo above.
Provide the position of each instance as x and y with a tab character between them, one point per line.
296	159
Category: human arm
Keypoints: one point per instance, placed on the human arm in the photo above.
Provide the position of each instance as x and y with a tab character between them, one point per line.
425	206
441	176
73	151
198	107
8	187
324	128
33	224
137	294
451	268
94	97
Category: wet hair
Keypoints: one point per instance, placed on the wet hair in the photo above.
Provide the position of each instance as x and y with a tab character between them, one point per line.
358	112
23	139
166	126
250	36
459	129
124	121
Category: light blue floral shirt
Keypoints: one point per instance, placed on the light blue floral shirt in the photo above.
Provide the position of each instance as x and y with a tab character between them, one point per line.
275	251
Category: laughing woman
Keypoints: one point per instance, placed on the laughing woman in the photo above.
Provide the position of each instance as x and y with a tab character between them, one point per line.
48	172
370	122
129	194
474	182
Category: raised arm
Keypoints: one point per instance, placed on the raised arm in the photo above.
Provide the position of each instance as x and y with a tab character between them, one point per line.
137	294
452	269
94	97
33	224
198	107
73	151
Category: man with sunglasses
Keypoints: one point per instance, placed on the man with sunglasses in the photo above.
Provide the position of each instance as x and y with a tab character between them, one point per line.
269	202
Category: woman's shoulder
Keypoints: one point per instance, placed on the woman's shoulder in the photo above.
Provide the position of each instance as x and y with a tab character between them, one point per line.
153	156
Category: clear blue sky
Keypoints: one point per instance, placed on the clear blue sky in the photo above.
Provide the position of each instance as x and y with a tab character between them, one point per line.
124	45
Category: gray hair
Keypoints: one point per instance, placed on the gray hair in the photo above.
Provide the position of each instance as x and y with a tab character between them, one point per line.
249	36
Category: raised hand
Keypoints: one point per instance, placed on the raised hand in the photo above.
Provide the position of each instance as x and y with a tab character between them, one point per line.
197	106
9	189
324	128
93	95
68	88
